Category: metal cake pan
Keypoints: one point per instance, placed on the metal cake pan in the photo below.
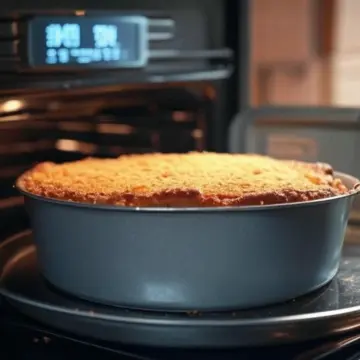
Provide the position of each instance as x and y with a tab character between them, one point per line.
190	259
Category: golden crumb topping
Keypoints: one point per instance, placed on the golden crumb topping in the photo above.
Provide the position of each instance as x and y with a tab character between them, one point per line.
193	179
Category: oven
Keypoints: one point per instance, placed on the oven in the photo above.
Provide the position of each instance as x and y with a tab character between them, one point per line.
326	134
110	80
101	79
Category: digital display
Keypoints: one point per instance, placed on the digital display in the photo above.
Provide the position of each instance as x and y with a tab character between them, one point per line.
88	41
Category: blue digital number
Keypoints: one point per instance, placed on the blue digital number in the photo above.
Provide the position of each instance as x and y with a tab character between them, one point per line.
53	35
67	35
71	35
63	56
105	36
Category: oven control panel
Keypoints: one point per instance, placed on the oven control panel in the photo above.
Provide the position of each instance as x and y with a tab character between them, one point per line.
79	49
86	41
83	40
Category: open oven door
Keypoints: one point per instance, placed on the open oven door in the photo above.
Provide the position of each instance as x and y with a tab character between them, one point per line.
325	134
298	90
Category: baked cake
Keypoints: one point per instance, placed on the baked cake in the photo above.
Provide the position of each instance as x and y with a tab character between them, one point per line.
183	180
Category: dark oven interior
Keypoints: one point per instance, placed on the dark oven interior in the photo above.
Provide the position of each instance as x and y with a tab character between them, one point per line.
69	127
182	100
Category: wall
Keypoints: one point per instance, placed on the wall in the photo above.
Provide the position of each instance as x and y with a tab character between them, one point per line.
345	61
289	58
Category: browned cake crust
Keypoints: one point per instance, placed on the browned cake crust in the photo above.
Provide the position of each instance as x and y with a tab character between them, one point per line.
183	180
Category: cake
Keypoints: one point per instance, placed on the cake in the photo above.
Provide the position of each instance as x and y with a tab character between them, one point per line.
183	180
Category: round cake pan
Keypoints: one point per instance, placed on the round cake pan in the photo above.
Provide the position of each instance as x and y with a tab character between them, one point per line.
190	259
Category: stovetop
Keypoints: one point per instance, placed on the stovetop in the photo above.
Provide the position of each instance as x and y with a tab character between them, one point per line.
22	338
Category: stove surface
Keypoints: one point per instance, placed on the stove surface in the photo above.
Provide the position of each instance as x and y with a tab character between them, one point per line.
22	338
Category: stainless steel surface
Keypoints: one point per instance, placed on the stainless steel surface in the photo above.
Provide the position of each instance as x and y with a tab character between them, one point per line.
334	309
189	259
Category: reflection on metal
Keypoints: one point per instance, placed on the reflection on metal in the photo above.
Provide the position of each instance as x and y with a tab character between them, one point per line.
73	145
197	134
11	202
160	36
10	120
181	116
80	12
11	106
117	129
76	126
161	22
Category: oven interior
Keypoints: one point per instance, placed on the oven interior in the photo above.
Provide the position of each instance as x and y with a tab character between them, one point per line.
70	127
182	99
